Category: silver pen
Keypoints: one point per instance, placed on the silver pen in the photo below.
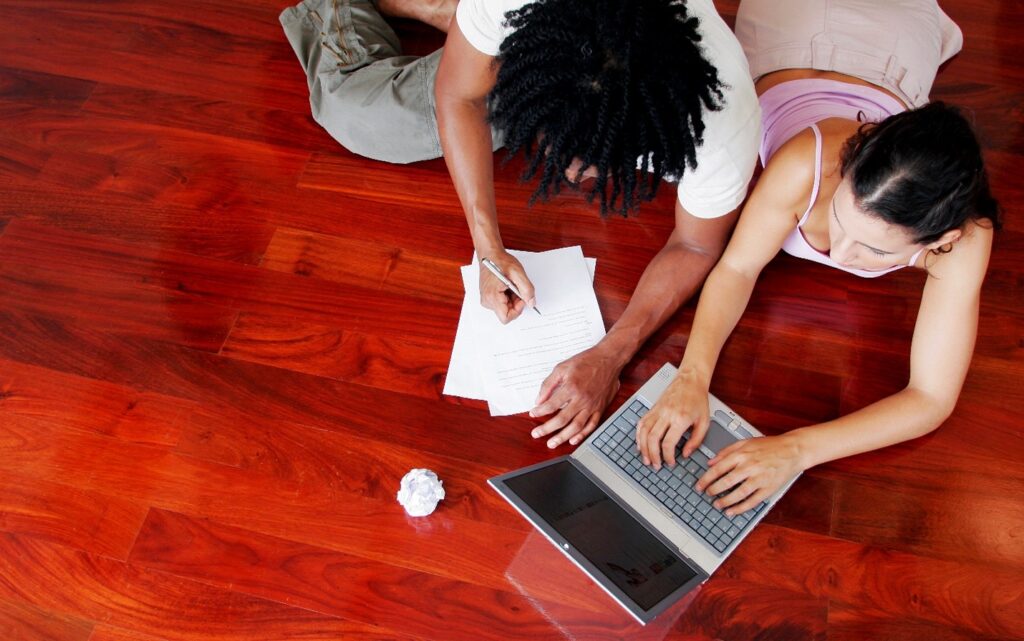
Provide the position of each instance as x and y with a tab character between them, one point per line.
491	267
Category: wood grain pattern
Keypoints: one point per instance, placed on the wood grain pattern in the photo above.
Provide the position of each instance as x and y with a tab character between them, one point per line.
223	340
98	589
20	622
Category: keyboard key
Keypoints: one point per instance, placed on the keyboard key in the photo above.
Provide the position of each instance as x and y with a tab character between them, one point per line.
721	546
703	508
699	458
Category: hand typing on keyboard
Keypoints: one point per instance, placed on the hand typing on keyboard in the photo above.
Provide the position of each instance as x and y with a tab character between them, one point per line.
744	473
683	407
751	471
673	487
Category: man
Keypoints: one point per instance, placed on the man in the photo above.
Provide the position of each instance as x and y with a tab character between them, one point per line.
591	88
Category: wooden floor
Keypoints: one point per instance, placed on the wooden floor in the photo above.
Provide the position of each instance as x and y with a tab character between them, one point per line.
223	340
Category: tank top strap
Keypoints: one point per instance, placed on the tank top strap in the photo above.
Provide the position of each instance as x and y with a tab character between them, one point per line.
817	174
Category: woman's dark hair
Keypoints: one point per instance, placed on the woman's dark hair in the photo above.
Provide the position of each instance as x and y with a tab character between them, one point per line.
922	170
615	83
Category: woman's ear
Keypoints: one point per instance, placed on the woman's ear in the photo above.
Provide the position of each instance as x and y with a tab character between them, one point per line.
948	238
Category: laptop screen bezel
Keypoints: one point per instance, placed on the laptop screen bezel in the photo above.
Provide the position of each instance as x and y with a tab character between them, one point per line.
642	615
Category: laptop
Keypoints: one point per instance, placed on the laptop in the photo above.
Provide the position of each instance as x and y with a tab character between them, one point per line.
647	538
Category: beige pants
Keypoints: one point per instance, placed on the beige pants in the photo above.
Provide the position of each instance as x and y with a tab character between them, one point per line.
362	90
896	44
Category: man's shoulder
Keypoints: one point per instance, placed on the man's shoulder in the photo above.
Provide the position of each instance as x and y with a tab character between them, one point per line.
483	22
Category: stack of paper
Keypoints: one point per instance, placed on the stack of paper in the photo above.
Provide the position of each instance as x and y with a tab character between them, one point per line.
506	364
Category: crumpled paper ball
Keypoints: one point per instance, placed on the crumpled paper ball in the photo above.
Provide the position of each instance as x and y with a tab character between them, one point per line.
420	492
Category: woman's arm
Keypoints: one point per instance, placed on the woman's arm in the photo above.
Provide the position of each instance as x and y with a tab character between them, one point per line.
464	79
770	214
940	354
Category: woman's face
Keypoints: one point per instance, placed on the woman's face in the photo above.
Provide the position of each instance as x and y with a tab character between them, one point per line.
859	240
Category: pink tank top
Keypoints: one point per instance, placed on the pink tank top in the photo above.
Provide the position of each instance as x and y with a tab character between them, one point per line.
793	106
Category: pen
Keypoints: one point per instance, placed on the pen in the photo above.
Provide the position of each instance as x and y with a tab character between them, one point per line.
489	264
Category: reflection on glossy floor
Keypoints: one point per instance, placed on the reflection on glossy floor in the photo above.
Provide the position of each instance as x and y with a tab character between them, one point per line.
223	340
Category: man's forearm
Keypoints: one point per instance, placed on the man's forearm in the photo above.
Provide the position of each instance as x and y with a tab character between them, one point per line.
466	142
669	280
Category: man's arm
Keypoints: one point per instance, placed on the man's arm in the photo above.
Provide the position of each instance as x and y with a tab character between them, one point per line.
464	79
579	389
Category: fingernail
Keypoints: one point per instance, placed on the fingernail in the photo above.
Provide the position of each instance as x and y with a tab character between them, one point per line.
646	462
552	444
535	433
574	441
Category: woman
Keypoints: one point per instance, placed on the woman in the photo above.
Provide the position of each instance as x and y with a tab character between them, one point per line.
841	190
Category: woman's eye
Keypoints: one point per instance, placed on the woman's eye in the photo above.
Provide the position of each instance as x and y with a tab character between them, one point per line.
878	253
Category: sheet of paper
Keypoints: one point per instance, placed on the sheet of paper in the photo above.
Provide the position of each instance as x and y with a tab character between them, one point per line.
463	378
517	357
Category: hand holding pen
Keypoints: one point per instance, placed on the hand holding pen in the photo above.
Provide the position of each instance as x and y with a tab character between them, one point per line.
505	288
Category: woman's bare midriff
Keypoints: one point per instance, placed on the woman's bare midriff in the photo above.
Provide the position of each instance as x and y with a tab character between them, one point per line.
769	80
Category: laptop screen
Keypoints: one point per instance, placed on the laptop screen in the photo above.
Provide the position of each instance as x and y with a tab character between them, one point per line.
618	545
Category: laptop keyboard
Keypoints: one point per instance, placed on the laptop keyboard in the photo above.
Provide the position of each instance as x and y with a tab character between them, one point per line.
672	487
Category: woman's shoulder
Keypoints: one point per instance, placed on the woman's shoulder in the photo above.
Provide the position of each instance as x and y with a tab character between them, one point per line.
789	175
965	260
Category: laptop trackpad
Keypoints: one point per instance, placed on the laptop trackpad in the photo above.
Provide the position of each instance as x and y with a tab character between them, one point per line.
718	438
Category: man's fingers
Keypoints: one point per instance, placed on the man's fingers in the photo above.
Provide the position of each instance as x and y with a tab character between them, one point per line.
515	307
523	284
501	311
587	429
559	398
553	424
568	432
547	388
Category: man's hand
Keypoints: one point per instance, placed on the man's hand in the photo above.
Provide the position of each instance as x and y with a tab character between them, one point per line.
577	391
495	296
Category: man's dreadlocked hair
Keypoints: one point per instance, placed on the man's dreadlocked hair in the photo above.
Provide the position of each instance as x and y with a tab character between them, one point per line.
609	82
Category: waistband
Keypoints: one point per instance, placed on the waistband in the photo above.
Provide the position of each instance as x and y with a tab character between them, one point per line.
790	107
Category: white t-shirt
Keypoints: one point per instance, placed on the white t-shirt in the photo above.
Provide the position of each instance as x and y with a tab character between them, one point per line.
725	162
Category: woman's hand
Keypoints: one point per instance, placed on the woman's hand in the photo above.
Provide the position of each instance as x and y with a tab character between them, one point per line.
753	469
683	404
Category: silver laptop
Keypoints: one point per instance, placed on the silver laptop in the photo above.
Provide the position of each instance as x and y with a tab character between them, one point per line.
646	537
